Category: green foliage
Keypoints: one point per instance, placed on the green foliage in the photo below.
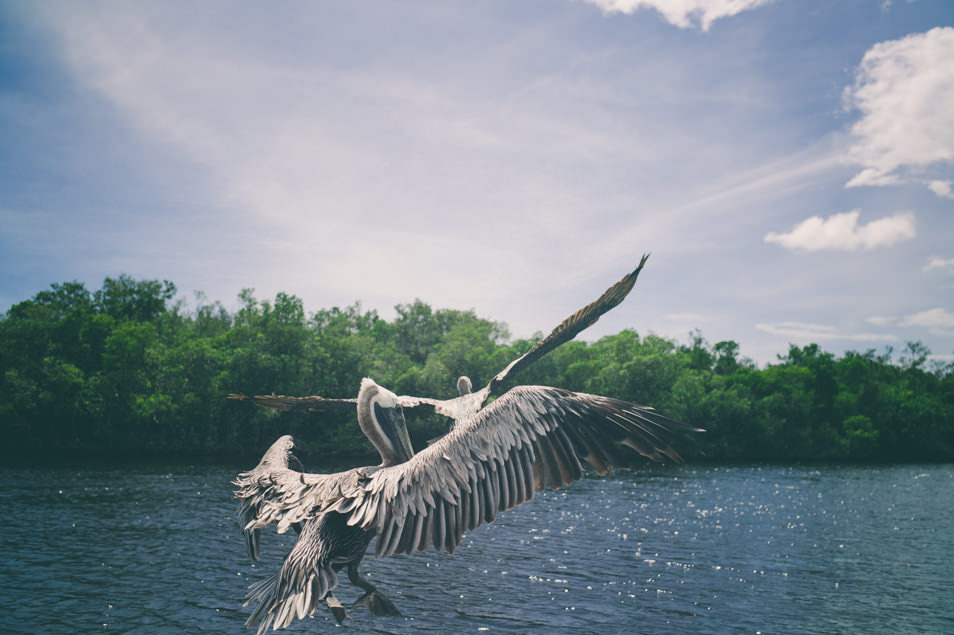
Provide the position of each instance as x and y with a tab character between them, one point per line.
124	369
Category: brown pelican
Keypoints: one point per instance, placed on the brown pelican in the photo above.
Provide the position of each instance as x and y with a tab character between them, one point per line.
494	459
468	402
326	543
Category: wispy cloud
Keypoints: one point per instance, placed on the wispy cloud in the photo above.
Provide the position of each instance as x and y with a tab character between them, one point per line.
309	150
804	331
938	320
904	90
321	157
683	13
771	178
842	232
940	263
881	320
693	318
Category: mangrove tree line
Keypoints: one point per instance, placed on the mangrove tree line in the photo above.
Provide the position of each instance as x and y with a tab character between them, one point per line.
126	369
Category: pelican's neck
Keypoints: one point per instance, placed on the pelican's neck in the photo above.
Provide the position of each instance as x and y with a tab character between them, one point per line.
382	420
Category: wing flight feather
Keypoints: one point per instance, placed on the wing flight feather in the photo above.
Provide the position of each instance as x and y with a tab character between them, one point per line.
573	325
285	403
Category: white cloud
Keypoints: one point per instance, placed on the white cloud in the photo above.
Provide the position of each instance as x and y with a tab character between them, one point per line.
940	263
842	231
904	90
938	320
683	13
819	332
881	320
942	188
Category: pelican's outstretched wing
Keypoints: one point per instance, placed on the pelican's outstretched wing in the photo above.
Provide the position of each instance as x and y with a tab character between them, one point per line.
572	326
447	407
288	404
530	437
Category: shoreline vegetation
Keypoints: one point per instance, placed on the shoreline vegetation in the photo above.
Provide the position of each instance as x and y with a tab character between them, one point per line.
127	370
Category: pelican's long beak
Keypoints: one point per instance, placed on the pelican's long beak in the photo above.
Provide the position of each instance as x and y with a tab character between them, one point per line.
396	430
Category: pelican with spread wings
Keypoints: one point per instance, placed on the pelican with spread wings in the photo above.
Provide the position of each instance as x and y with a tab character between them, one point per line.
530	438
498	454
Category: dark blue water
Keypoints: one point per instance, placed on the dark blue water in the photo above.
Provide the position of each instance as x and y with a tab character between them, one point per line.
697	549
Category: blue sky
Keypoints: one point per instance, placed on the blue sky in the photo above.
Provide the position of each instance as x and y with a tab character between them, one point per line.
790	165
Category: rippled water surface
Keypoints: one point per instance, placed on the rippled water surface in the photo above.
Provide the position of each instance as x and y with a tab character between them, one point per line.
696	549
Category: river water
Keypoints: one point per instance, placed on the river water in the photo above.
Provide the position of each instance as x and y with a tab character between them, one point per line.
659	549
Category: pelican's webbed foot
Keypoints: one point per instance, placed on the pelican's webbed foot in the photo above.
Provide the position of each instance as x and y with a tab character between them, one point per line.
378	604
337	608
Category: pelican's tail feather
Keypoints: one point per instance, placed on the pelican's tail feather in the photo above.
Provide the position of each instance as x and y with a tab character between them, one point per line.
281	599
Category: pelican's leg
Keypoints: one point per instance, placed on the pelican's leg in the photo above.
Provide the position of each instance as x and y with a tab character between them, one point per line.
372	598
337	608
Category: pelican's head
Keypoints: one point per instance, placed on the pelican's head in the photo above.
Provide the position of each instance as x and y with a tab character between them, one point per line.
381	418
463	385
